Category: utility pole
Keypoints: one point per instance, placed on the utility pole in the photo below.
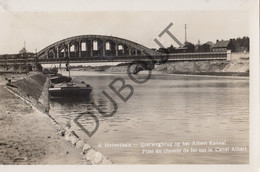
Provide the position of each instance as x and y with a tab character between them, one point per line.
185	26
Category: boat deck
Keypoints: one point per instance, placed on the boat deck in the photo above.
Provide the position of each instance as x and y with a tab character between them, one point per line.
62	85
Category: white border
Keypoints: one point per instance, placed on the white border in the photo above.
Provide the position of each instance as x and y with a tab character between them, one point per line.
121	5
91	5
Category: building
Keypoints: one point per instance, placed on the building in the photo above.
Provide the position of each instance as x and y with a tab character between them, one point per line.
221	46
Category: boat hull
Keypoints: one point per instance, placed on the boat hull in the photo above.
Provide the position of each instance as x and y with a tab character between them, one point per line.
60	79
70	92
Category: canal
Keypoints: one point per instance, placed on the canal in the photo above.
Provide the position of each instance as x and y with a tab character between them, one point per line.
170	119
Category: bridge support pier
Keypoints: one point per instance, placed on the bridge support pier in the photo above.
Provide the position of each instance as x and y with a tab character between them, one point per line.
143	66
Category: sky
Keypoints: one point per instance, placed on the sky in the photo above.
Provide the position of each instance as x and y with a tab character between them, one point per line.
40	28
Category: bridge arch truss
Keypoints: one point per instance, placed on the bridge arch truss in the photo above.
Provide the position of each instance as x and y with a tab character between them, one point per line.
91	46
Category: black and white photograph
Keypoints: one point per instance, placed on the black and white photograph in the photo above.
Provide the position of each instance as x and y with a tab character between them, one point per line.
129	83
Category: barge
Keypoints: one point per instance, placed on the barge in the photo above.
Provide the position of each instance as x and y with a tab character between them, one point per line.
70	89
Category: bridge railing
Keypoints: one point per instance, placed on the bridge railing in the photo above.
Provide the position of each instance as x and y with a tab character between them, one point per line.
169	57
199	56
8	61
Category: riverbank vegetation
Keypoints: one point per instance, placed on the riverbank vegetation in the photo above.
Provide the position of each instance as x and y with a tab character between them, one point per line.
237	45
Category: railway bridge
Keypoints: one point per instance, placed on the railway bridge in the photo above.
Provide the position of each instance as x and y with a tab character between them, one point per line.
101	48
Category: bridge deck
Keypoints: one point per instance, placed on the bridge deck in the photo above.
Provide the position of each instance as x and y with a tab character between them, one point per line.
157	58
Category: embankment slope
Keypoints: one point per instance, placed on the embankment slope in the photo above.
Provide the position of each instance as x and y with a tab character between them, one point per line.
31	135
229	68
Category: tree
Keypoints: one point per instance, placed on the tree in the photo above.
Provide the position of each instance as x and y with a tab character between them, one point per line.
190	47
245	43
236	45
205	48
163	51
171	49
240	44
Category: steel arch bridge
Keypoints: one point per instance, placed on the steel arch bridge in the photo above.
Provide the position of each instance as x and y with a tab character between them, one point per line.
94	48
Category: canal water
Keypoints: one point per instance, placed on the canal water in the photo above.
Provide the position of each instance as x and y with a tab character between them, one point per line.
196	119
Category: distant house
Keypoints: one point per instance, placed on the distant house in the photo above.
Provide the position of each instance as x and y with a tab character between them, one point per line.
223	46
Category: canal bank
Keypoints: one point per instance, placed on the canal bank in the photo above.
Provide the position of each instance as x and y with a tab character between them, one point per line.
29	133
237	65
214	68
